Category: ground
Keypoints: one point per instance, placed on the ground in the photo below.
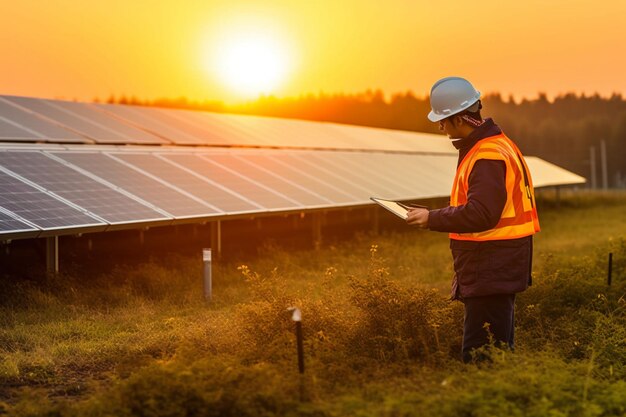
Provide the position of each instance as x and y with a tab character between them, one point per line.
381	339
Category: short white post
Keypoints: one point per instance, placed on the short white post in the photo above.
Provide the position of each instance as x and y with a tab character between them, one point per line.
208	284
296	316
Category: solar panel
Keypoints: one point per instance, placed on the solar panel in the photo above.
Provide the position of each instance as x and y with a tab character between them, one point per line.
422	142
298	159
545	174
361	163
212	193
109	204
218	129
362	177
265	131
264	196
372	138
106	123
297	133
10	224
366	138
45	189
230	129
198	127
87	121
273	161
154	120
19	125
430	176
10	130
283	185
147	188
39	208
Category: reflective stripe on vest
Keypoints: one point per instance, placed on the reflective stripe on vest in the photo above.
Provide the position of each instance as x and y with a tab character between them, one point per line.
519	216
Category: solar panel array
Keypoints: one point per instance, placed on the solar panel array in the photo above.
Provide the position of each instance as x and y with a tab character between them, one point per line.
58	121
81	175
71	189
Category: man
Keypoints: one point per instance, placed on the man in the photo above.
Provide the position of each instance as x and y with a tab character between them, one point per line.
491	218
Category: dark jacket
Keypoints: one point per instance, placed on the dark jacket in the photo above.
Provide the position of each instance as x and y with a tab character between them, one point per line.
491	267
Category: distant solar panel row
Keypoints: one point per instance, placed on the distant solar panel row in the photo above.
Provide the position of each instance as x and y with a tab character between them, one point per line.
76	188
26	119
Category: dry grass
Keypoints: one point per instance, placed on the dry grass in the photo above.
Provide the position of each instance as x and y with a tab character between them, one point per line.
380	338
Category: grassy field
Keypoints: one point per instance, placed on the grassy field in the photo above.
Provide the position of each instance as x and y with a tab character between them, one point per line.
381	339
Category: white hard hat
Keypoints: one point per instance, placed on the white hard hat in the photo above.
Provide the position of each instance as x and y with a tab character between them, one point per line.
451	95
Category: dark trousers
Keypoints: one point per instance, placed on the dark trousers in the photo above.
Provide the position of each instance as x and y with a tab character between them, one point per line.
496	310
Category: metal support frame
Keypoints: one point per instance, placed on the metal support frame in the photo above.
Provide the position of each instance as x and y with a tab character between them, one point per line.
52	254
592	166
603	165
216	239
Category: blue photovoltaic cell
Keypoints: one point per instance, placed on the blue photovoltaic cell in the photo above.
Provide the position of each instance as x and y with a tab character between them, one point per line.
206	191
9	224
39	208
141	185
88	121
81	190
240	184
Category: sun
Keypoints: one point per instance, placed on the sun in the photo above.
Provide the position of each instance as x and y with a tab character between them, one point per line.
251	64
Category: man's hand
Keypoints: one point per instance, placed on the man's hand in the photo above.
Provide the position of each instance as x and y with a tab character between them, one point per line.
418	217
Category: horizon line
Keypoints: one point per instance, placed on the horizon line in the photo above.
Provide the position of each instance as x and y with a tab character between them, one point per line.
368	92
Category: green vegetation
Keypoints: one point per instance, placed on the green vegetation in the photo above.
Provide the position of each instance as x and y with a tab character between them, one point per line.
381	339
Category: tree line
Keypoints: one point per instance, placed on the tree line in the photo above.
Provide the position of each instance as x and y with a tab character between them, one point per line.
566	130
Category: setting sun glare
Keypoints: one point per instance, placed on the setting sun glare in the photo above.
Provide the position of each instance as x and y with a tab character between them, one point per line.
250	64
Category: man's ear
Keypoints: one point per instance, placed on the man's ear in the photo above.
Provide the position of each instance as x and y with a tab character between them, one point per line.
456	121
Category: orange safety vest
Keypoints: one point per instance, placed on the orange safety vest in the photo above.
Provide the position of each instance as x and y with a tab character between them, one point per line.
519	216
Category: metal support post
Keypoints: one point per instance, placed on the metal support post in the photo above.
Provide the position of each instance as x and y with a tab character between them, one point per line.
52	254
216	239
605	170
592	166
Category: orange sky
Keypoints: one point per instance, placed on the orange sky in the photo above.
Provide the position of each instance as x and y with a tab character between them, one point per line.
160	48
